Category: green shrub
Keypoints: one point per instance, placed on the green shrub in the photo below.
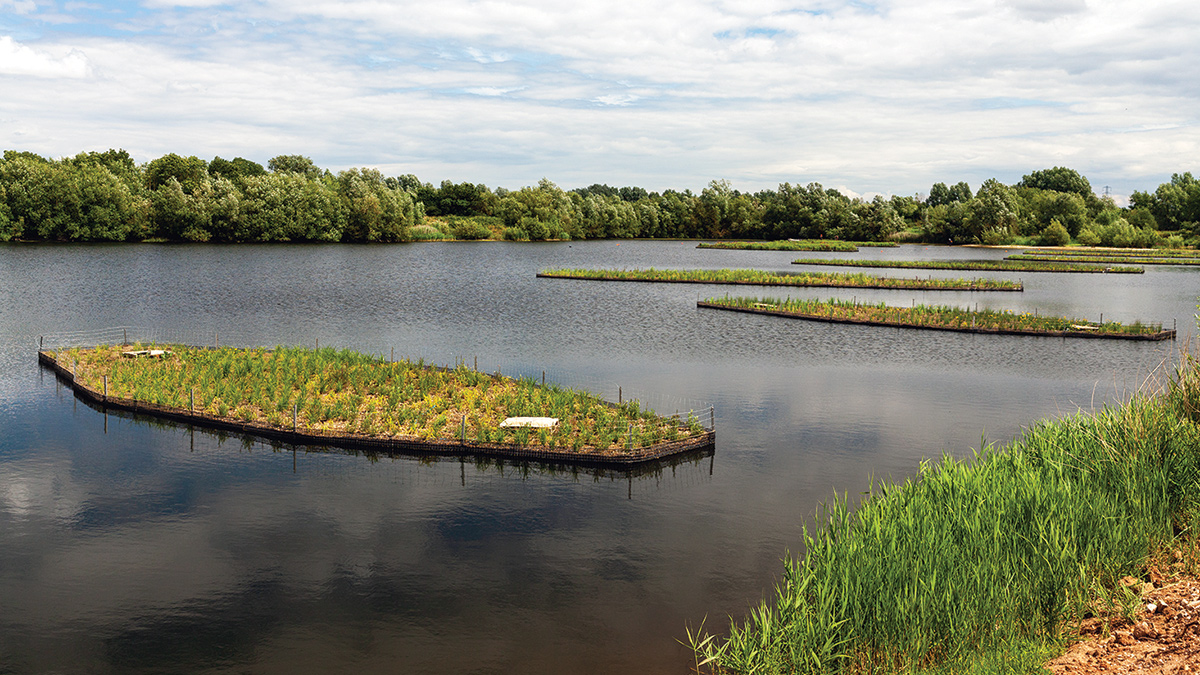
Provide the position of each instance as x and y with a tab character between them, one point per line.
427	232
537	229
1054	235
470	229
997	236
515	234
1088	237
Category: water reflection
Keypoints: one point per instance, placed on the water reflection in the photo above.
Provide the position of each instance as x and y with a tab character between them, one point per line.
132	546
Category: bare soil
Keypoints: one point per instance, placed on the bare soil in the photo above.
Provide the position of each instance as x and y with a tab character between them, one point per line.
1163	638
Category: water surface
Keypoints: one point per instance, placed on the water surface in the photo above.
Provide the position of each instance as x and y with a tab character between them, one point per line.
130	546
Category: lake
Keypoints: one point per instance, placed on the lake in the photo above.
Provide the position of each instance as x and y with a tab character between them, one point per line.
131	546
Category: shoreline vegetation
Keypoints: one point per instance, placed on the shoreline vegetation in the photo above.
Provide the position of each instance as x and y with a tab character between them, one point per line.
798	245
750	277
944	318
990	564
340	397
108	196
974	265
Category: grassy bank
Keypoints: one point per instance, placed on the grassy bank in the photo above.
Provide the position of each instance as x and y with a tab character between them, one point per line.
346	392
834	245
983	566
764	278
974	265
938	317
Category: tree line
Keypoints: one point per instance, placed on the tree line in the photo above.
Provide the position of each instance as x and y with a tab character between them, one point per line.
106	196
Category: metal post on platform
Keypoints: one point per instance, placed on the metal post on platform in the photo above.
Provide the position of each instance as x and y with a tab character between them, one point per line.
629	439
712	418
124	336
618	395
106	389
393	357
543	378
40	339
294	418
192	400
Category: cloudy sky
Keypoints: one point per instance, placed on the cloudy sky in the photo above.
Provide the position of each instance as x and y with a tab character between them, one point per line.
884	97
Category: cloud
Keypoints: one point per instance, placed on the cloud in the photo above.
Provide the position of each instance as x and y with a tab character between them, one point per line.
1045	10
17	59
672	93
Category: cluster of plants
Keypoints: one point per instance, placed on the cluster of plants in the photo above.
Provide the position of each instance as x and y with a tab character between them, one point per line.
344	392
765	278
106	196
1052	207
796	245
1102	253
935	316
974	565
1158	256
1038	265
1127	259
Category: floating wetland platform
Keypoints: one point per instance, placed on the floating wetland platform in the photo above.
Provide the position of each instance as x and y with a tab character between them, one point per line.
360	402
975	265
747	277
940	318
830	245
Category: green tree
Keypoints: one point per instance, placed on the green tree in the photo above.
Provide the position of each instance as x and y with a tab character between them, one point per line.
1041	207
994	214
189	172
235	168
939	195
298	164
1058	179
287	206
374	211
178	215
1175	205
946	223
1055	234
9	228
43	199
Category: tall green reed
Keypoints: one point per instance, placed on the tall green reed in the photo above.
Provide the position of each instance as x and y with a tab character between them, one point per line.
972	557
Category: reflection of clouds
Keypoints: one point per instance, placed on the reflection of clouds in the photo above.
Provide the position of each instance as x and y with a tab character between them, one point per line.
39	491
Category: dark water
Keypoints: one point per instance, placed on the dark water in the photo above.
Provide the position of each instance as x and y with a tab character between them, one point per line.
128	546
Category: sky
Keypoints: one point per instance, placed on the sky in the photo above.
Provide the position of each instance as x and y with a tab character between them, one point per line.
881	97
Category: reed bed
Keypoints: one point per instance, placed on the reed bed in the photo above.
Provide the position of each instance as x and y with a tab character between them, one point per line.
1108	259
343	392
834	245
1115	253
975	265
988	564
935	317
765	278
